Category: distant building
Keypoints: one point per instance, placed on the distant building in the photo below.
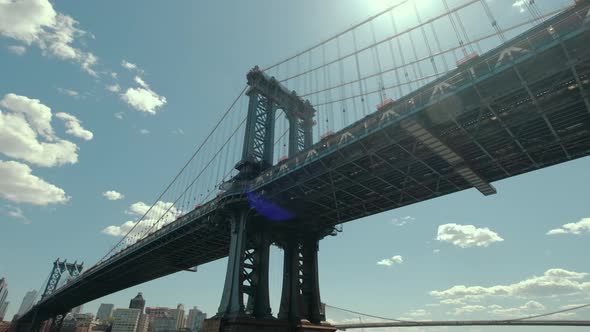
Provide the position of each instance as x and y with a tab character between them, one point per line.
3	308
179	315
27	302
137	302
3	296
77	310
125	320
105	310
165	323
144	323
194	320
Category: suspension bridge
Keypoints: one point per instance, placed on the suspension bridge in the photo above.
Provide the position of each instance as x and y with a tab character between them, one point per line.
395	110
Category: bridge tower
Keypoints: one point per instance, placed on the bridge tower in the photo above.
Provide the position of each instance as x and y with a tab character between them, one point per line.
252	231
57	272
266	96
61	272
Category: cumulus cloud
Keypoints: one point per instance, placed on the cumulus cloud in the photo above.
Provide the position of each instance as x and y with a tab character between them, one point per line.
144	131
397	259
20	130
576	228
143	99
119	115
128	65
74	126
37	114
113	88
17	49
19	185
553	283
113	195
466	236
37	22
468	309
527	308
161	214
401	221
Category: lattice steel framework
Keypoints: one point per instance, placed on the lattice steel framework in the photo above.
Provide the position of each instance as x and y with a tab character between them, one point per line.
59	267
267	95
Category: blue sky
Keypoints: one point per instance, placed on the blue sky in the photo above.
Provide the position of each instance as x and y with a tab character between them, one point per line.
133	87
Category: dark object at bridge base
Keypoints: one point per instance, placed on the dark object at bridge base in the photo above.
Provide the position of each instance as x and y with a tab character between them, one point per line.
257	325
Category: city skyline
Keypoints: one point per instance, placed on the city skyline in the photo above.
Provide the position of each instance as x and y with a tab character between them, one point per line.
460	256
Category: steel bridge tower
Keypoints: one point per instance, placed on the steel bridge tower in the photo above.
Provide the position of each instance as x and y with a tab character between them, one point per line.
60	273
253	230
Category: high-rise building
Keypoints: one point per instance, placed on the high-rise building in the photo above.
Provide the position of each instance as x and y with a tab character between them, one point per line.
3	308
143	324
137	302
3	296
125	320
179	315
27	303
105	310
194	320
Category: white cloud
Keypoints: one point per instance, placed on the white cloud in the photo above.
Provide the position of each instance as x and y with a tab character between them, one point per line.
19	131
418	313
74	126
15	212
144	131
141	82
401	221
37	114
130	66
119	115
525	309
436	251
68	92
397	259
468	309
18	185
466	236
113	195
160	214
520	4
143	99
554	282
113	88
17	49
25	20
36	22
576	228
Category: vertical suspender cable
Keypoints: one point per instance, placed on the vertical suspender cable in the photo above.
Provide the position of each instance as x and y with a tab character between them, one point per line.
432	60
358	73
344	116
401	52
